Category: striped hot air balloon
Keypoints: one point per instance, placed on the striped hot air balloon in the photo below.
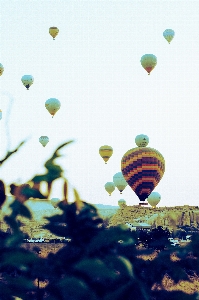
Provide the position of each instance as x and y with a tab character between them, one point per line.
143	168
105	152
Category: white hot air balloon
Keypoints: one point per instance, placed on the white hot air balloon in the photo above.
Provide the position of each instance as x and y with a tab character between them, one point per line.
52	105
119	181
55	202
142	140
121	202
44	140
168	34
1	69
0	114
109	187
27	80
153	199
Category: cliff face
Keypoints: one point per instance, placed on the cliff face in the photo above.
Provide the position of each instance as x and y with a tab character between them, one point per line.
160	216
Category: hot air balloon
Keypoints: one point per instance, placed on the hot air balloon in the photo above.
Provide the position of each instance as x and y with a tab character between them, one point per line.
105	152
52	105
121	202
27	80
54	202
142	140
0	114
148	62
109	187
168	34
44	140
53	31
153	199
143	168
1	69
119	181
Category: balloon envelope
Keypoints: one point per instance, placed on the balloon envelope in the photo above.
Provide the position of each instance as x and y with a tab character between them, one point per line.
119	181
109	187
105	152
121	201
27	80
44	140
169	35
148	62
1	69
143	168
154	198
53	31
52	105
142	140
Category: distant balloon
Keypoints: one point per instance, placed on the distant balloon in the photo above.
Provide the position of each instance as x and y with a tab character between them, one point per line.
121	202
142	140
169	35
52	105
148	62
143	168
27	80
0	114
119	181
153	199
55	202
109	187
44	140
53	31
105	152
1	69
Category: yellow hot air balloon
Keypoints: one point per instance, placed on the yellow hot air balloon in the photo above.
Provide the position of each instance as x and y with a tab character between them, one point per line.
1	69
109	187
121	202
143	168
148	62
153	199
119	181
105	152
53	31
168	34
44	140
27	80
142	140
52	105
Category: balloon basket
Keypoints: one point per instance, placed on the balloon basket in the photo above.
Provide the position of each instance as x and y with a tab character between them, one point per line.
143	203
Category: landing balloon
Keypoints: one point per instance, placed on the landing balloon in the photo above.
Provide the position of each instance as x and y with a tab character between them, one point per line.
105	152
44	140
142	140
1	69
168	34
53	32
55	202
27	80
148	62
52	105
153	199
120	181
143	169
121	202
109	187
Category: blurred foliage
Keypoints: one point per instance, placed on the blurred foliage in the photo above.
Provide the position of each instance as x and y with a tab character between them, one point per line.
98	262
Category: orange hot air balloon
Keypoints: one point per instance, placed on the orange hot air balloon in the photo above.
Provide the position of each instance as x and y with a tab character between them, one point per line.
143	168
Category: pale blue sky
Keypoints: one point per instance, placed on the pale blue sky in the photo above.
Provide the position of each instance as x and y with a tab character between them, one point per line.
93	68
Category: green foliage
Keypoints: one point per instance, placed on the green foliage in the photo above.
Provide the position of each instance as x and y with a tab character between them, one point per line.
99	263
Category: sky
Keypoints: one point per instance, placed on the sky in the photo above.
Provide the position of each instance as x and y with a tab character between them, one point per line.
93	68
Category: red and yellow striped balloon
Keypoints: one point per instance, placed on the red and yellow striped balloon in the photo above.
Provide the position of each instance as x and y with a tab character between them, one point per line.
143	168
